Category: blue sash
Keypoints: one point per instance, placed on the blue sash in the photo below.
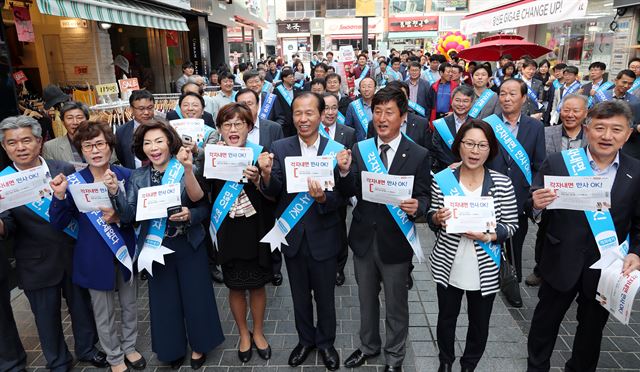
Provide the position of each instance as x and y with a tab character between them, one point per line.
109	234
496	80
299	84
450	186
267	106
322	132
152	249
443	131
267	86
364	72
341	119
395	74
481	102
277	77
635	86
572	89
362	116
600	222
533	96
427	73
556	84
297	208
510	143
285	94
517	76
418	109
371	157
41	208
600	92
227	197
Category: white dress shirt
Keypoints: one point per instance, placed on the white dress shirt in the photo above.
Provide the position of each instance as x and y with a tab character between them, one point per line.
309	150
332	130
391	153
254	135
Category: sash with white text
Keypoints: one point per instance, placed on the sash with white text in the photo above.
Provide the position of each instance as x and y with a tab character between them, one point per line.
418	109
510	143
285	94
600	92
362	116
267	106
429	76
444	132
341	119
636	85
479	104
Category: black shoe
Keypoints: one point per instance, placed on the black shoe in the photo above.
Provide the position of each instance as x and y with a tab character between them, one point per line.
512	294
339	278
330	358
409	282
277	279
216	275
197	363
262	353
444	367
392	369
176	364
138	365
299	354
99	360
468	369
357	358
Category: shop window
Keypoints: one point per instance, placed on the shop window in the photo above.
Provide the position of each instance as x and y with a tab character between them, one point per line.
406	6
448	5
341	8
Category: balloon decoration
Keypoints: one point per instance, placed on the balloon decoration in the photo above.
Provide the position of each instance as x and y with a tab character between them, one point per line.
452	42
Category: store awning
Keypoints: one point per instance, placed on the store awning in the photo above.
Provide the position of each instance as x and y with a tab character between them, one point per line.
351	37
412	34
124	12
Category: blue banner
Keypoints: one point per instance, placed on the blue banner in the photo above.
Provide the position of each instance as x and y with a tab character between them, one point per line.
267	106
267	87
600	92
510	143
444	132
481	102
285	94
362	116
418	109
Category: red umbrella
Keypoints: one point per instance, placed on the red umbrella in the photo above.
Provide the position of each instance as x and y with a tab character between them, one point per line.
492	47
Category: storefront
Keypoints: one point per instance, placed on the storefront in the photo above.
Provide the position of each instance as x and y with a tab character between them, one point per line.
348	31
412	32
294	37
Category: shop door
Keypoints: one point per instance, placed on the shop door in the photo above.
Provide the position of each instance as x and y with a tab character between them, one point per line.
55	64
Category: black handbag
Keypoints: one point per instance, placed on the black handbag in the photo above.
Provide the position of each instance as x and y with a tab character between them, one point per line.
508	277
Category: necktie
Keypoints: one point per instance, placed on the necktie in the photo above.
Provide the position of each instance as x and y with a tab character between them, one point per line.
326	129
383	154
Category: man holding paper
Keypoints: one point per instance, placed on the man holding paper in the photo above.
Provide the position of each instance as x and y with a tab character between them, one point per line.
569	250
382	235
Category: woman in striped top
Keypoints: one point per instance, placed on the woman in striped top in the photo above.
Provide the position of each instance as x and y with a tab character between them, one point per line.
459	262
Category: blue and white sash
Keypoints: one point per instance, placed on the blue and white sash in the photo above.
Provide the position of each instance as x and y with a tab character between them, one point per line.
481	102
152	249
556	84
277	77
267	86
572	89
362	116
364	73
369	152
227	197
267	106
635	86
285	94
517	76
429	76
298	207
600	92
450	186
110	234
395	74
41	208
299	84
510	143
600	222
496	81
323	132
418	109
444	132
533	95
341	119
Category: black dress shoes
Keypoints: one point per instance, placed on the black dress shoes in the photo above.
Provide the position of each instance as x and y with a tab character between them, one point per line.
444	367
246	355
197	363
357	358
392	369
262	353
277	279
339	278
99	360
330	358
299	354
468	369
138	365
216	275
176	364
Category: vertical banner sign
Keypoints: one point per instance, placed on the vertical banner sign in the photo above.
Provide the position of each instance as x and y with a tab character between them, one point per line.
24	27
365	8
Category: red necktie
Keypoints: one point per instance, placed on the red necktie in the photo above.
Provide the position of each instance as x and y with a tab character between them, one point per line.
326	129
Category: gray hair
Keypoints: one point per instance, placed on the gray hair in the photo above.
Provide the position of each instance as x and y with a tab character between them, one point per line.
582	98
21	121
609	109
73	105
194	79
465	90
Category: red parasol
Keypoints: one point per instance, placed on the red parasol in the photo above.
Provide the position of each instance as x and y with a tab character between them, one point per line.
492	47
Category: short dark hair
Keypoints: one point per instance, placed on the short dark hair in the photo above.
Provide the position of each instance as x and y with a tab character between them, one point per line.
609	109
233	109
443	66
139	94
383	61
483	67
571	70
320	81
485	128
187	64
465	90
544	62
394	60
626	72
190	94
249	75
529	62
523	85
559	66
507	65
305	94
321	65
327	94
458	67
74	105
506	56
363	55
226	75
245	91
388	94
399	84
600	65
172	137
91	129
635	59
242	66
287	71
414	64
332	75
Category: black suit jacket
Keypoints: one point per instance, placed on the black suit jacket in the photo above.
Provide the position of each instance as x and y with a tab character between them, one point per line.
284	113
276	113
530	107
124	143
343	104
269	132
43	253
441	154
417	130
345	135
320	226
410	159
568	247
207	117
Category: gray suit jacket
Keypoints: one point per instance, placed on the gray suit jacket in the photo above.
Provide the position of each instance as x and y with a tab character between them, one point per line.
60	149
553	139
269	131
345	135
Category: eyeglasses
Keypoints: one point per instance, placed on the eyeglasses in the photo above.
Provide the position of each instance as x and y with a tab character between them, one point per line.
143	109
238	125
98	145
331	108
482	146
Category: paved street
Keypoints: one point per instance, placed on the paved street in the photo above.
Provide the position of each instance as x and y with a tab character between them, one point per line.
506	350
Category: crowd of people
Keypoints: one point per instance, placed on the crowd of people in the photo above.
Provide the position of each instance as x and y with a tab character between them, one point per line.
458	127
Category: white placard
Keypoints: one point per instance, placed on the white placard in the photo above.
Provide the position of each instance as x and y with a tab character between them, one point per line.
226	162
301	168
23	187
193	128
616	292
153	201
470	213
90	197
386	188
579	193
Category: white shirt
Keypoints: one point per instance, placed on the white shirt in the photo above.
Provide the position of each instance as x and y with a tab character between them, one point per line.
391	153
332	130
254	135
465	272
309	150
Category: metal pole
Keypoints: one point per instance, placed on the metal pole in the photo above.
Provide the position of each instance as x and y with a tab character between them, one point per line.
365	33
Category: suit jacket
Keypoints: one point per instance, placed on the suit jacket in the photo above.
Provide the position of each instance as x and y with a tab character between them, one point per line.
569	249
270	131
343	104
351	120
207	117
530	107
423	88
320	226
531	137
553	139
345	135
276	114
285	116
124	143
417	129
60	149
43	253
410	159
441	154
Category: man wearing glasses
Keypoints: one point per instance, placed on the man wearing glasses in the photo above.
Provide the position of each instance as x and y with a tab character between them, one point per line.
142	105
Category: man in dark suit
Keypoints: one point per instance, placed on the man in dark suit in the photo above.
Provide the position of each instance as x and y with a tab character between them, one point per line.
570	249
346	136
12	355
285	93
142	105
381	251
314	242
44	258
596	79
535	88
418	87
333	82
254	81
529	132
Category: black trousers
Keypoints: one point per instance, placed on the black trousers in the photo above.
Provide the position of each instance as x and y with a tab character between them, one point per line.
313	280
478	311
514	245
45	305
547	317
12	355
344	245
537	253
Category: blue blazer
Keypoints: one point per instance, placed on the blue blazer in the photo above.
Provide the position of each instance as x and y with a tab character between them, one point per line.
320	226
124	143
93	261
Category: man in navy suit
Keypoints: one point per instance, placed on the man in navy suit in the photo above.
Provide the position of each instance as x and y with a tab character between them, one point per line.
569	247
314	242
142	105
529	132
